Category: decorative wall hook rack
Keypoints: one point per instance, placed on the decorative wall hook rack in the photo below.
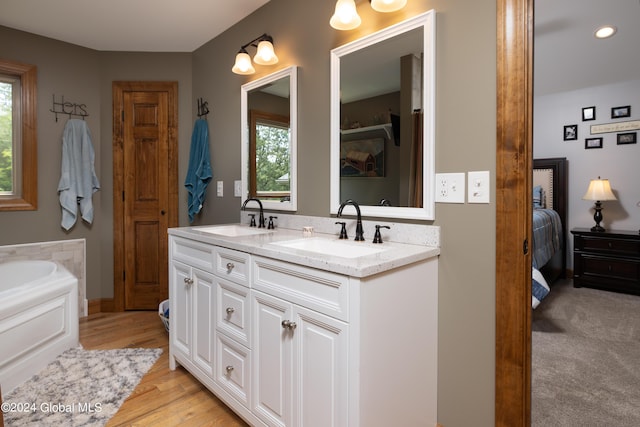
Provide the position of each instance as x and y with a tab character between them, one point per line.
68	108
203	108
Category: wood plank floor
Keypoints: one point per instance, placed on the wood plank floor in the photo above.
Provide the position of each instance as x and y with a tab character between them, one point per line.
163	397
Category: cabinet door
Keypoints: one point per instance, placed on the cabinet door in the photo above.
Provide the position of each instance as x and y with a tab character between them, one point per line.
180	308
203	290
320	370
272	360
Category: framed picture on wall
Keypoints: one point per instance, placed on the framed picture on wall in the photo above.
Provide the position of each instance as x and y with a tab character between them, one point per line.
588	113
592	143
571	132
362	158
619	112
627	138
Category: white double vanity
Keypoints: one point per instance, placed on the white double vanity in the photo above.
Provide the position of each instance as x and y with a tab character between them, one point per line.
303	329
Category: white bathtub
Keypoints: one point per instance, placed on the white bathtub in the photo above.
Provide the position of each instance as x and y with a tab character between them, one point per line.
38	318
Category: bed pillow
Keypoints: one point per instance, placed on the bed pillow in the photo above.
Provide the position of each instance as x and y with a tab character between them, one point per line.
539	287
538	197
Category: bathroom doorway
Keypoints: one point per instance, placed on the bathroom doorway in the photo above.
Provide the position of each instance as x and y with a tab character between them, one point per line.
145	184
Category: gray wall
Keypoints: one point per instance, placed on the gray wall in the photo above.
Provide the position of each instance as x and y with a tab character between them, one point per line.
465	135
84	76
618	163
465	141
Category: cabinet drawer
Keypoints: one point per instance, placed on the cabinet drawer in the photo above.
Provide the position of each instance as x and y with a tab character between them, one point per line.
603	244
232	311
232	265
318	290
611	268
233	367
193	253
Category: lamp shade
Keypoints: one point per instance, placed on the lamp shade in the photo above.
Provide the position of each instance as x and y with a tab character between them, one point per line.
265	55
346	16
599	190
388	5
243	64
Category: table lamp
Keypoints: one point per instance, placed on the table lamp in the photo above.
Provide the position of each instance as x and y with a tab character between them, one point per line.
599	190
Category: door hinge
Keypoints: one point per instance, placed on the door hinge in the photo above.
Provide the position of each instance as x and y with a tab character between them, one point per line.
123	276
123	196
525	246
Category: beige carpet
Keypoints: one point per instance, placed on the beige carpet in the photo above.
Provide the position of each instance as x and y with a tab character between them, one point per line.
586	358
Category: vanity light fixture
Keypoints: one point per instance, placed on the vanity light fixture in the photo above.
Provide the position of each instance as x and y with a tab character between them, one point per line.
605	32
388	5
265	55
346	16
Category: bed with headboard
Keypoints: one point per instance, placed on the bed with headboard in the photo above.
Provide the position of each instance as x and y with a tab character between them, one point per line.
550	193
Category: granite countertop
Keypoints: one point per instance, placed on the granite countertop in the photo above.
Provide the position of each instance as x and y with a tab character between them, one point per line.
394	254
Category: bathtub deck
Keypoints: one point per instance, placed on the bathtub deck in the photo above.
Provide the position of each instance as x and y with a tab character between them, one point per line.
163	397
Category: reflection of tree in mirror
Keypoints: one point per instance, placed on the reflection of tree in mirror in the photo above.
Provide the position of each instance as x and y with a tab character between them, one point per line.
272	158
6	145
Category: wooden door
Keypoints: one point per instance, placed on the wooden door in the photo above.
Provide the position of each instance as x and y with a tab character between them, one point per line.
145	191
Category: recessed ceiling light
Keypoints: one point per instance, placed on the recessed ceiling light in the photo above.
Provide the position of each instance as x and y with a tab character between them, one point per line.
605	32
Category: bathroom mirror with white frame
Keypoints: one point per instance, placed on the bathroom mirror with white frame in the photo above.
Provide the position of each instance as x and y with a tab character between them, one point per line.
383	121
269	140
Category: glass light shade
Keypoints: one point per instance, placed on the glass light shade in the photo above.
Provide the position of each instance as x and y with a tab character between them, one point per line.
265	54
599	190
243	64
346	16
388	5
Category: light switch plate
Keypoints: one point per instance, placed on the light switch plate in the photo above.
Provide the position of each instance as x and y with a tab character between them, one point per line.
220	188
450	187
479	187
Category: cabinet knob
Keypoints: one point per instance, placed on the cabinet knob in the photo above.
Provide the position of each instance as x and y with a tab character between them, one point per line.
287	324
230	266
188	281
230	310
229	369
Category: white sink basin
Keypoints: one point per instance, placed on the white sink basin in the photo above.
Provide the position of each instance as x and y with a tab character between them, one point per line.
234	230
341	248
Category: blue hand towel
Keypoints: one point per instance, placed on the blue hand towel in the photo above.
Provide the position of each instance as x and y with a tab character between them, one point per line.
199	173
78	180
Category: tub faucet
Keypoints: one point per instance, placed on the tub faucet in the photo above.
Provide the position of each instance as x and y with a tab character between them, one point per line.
261	217
359	231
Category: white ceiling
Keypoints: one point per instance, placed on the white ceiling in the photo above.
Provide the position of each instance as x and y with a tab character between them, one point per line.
567	56
127	25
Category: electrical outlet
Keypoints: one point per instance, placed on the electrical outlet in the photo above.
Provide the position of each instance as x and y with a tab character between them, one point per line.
479	187
220	188
450	187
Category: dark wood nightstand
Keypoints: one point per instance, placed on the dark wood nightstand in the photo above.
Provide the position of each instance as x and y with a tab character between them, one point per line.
608	260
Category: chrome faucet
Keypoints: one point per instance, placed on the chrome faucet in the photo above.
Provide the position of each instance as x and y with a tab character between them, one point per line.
359	231
261	217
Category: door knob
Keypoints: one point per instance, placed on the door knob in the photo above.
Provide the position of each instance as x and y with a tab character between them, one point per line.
162	212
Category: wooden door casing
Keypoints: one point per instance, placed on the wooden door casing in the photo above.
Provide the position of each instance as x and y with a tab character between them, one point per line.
145	190
513	212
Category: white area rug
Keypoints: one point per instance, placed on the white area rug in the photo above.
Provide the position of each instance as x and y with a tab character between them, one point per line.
79	388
